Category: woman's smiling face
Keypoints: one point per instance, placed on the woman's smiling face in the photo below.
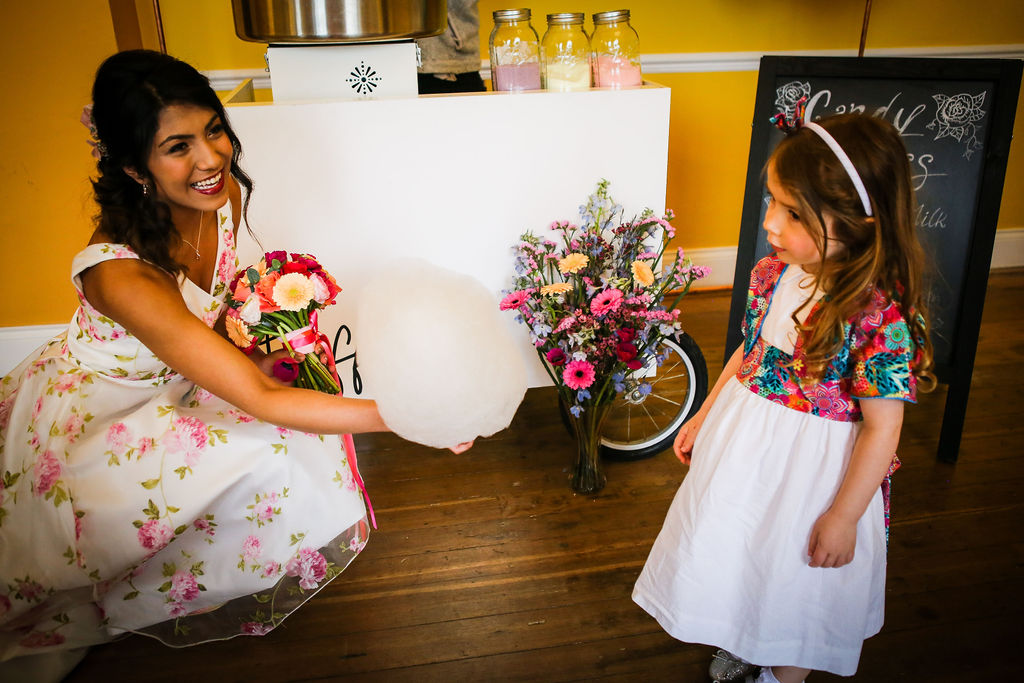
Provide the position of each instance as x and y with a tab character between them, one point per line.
190	160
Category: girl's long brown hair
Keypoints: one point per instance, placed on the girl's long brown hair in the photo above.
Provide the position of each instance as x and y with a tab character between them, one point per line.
866	253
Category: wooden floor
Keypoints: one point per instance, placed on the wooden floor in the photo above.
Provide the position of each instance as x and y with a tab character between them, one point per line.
486	567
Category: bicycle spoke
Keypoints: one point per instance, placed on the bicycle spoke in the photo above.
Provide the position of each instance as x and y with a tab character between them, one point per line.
667	400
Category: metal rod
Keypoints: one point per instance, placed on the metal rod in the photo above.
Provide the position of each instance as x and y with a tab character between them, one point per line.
863	30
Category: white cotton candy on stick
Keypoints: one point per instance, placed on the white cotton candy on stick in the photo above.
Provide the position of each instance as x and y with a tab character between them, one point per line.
436	354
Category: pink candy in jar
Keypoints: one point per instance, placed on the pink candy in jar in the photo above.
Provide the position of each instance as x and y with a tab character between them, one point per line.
616	51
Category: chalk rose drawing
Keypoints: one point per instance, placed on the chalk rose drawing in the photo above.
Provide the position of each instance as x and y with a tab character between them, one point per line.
786	96
956	116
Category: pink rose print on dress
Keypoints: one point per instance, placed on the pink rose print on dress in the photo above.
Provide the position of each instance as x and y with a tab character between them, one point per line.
5	605
41	639
240	416
154	534
184	587
5	412
251	548
37	408
255	628
30	591
118	438
357	544
176	609
67	382
146	446
271	568
189	437
204	525
226	266
72	426
309	565
285	433
46	472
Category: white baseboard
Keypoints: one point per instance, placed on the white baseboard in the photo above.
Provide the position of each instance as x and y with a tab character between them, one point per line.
17	342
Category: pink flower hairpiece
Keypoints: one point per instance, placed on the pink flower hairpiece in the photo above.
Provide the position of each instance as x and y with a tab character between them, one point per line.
798	121
99	150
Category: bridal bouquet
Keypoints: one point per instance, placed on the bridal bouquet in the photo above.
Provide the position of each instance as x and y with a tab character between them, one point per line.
593	297
278	299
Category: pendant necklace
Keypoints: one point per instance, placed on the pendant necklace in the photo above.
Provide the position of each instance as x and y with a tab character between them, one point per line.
199	236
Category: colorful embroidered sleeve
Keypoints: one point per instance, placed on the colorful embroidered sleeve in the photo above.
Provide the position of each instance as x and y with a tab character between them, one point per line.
882	355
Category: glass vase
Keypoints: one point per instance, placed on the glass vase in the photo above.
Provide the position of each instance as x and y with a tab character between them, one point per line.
587	472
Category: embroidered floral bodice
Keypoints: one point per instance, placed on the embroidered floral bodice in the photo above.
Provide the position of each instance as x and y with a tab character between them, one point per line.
874	362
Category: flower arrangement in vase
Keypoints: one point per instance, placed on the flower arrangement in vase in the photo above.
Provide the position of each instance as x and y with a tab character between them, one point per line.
593	296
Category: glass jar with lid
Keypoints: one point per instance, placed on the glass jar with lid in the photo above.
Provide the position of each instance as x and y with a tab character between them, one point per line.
565	53
515	51
615	49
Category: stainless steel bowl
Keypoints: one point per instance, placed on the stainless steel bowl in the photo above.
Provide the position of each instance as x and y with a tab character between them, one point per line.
338	21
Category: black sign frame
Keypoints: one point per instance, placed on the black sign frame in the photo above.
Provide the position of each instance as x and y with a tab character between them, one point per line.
1002	78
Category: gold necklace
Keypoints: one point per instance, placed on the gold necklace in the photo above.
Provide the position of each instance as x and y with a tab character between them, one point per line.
199	236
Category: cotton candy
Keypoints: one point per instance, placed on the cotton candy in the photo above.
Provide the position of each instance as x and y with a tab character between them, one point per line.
435	353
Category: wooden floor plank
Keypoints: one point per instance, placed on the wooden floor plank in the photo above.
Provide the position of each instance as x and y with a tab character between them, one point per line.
488	568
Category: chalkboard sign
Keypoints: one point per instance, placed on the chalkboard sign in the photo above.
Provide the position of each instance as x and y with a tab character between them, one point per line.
956	120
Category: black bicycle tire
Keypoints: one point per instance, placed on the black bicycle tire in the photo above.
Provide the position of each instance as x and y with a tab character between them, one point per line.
687	347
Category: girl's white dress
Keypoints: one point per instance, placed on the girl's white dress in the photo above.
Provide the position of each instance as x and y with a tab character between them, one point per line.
730	565
132	500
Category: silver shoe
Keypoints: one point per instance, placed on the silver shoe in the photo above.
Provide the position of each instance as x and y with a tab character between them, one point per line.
726	666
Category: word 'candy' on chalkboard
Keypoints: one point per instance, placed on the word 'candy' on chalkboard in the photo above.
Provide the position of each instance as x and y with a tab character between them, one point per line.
956	119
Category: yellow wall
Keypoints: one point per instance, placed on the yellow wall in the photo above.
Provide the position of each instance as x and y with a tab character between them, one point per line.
48	57
52	49
710	120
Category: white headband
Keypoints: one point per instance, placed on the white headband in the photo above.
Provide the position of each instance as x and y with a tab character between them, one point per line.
844	160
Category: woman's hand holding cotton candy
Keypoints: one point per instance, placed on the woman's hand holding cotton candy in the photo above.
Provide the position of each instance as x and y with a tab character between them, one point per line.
435	354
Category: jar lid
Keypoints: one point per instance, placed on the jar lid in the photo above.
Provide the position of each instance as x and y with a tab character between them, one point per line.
566	18
612	16
512	14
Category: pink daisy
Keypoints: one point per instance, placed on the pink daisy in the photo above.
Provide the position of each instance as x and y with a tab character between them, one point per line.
579	374
605	302
514	300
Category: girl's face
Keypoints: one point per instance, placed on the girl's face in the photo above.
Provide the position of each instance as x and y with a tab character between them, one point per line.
786	231
190	160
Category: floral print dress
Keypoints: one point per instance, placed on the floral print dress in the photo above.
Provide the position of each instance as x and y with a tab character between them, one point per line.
730	566
132	500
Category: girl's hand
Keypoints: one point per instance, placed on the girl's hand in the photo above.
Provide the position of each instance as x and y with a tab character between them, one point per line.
462	447
833	539
683	444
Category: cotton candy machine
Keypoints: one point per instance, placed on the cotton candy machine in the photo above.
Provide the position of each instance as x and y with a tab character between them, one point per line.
340	49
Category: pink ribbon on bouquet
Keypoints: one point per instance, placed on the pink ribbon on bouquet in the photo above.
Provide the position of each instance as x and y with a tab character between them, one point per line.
309	339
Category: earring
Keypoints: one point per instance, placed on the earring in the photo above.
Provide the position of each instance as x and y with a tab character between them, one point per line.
145	189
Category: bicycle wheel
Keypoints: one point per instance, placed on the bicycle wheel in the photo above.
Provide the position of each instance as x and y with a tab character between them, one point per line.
640	424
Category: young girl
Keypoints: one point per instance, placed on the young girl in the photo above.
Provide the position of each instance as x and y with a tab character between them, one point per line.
153	478
774	547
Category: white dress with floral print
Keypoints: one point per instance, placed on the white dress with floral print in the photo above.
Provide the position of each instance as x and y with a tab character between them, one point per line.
132	500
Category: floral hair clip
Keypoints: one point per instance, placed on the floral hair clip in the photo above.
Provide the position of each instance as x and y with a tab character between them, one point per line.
788	125
99	150
798	121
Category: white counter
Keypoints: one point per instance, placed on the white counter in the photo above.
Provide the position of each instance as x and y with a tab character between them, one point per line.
454	179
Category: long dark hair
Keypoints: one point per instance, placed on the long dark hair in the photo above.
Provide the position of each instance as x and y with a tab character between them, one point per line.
882	251
130	91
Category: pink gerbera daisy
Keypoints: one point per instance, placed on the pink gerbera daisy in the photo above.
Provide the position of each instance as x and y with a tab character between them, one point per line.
514	300
605	302
578	374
